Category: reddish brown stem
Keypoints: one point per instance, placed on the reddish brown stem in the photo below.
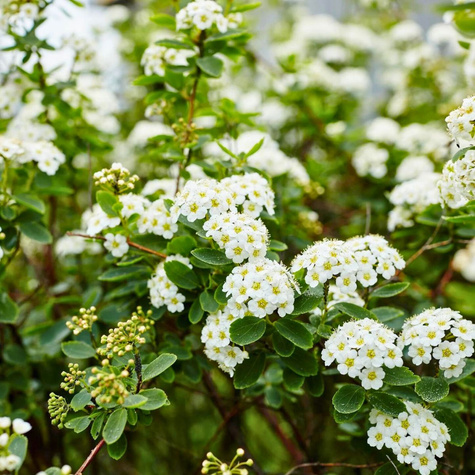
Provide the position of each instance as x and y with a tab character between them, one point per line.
129	242
90	458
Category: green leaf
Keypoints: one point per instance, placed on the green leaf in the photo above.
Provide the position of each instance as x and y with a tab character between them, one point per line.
461	219
158	366
282	346
115	426
247	330
292	381
302	362
36	231
15	354
400	376
30	201
107	201
457	429
294	331
387	314
79	424
255	148
316	385
117	450
181	245
156	399
354	311
245	7
461	153
220	296
386	403
181	275
390	290
8	309
277	245
96	427
228	35
165	21
348	399
117	274
18	446
211	256
432	389
210	65
306	303
132	401
78	350
80	400
207	302
148	80
175	44
249	371
196	312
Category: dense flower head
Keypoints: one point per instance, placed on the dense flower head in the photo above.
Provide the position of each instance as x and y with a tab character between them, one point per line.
440	334
155	218
203	14
457	185
84	321
156	58
416	437
46	155
460	122
249	193
216	338
163	291
117	177
19	15
412	197
383	130
424	139
369	159
414	166
260	288
357	260
241	236
116	244
213	466
361	348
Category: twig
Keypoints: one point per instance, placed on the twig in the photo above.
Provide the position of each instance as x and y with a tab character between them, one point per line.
129	242
368	218
393	464
336	464
91	456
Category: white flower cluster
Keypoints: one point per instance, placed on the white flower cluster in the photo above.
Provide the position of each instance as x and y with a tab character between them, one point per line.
156	58
416	437
116	244
47	156
84	48
259	288
217	341
241	236
96	220
457	185
441	334
464	261
411	198
360	259
383	130
73	245
361	348
10	96
198	199
414	166
424	139
460	122
204	14
10	462
18	15
156	218
163	291
369	159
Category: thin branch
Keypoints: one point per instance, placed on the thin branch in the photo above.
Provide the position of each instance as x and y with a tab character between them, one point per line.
336	464
129	242
368	218
91	456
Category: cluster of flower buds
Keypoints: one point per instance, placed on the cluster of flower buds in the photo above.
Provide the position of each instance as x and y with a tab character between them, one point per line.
116	178
72	378
82	322
213	466
185	133
58	409
109	386
126	335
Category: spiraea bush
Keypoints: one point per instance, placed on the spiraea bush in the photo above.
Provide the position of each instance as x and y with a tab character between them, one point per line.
216	247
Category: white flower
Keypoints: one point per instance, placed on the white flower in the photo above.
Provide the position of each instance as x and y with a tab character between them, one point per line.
66	470
116	244
11	462
370	160
5	422
4	439
20	426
